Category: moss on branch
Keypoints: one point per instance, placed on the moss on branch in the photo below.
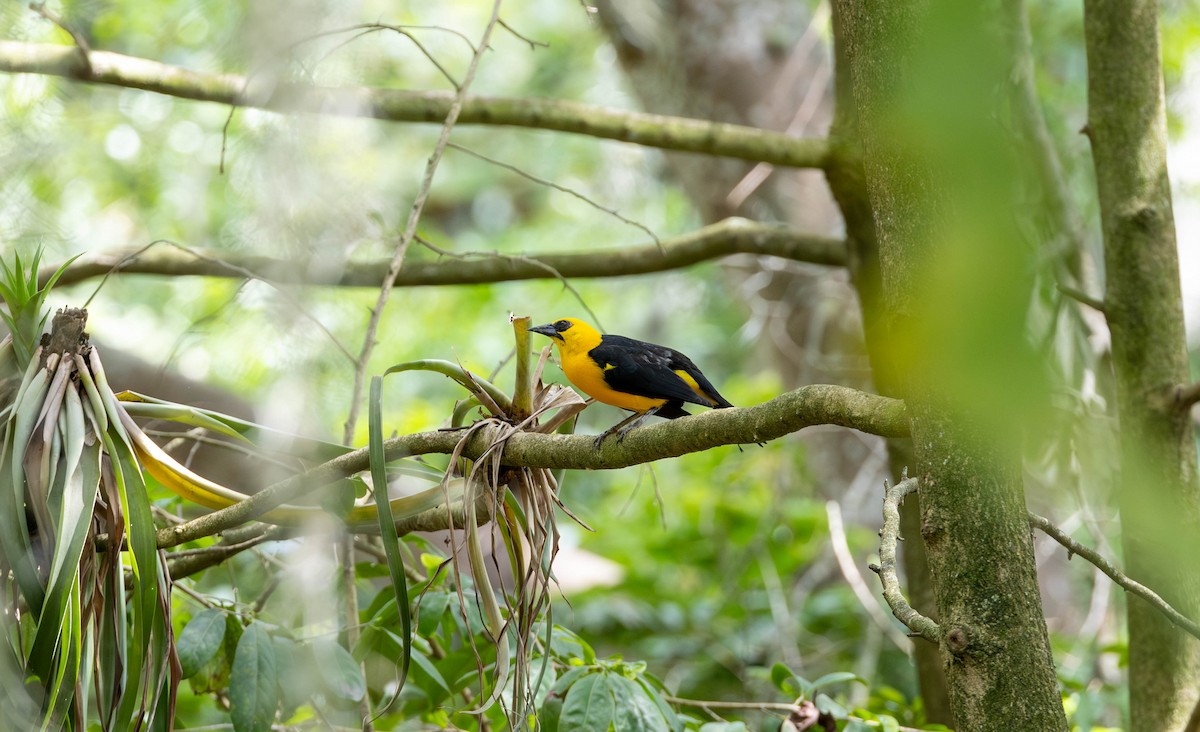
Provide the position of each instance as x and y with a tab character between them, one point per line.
651	130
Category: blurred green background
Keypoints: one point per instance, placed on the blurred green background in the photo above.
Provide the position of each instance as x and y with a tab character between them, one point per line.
713	567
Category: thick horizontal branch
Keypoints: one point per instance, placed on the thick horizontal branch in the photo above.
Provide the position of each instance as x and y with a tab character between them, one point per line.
790	412
724	238
1116	575
651	130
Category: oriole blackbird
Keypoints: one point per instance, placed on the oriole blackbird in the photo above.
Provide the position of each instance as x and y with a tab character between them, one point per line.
644	378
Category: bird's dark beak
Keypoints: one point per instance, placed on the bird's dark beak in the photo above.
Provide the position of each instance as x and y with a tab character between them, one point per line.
546	330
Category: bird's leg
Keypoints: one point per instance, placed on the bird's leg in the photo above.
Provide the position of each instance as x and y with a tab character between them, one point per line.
600	437
623	427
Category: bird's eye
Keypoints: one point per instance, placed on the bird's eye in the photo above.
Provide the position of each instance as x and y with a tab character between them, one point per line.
562	325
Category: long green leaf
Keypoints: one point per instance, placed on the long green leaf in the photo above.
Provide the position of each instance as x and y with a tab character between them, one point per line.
466	379
57	624
143	554
14	534
387	525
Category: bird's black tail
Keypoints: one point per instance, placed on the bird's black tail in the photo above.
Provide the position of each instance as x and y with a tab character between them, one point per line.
672	410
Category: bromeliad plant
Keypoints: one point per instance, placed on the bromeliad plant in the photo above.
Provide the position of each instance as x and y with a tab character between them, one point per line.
86	625
86	594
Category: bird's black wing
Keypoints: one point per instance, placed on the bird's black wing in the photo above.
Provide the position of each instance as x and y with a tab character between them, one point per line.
645	369
683	363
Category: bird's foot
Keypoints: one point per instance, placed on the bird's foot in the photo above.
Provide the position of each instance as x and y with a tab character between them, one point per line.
625	430
614	430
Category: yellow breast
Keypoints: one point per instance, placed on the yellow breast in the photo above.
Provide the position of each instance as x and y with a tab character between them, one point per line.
588	377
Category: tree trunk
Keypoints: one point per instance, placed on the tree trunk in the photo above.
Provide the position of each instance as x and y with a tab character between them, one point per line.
849	190
956	283
735	61
1159	496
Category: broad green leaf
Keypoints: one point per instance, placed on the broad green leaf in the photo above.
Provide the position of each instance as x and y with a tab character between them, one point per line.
888	724
836	677
788	681
655	691
635	711
589	706
829	706
567	646
253	692
297	683
551	713
723	727
340	672
200	640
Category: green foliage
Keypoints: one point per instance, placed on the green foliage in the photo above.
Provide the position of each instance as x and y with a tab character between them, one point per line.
253	681
26	300
200	640
602	695
727	590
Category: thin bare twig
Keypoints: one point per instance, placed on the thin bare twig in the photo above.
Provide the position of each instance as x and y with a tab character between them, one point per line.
533	45
227	267
410	228
920	625
1081	297
368	28
551	184
515	259
707	704
1116	575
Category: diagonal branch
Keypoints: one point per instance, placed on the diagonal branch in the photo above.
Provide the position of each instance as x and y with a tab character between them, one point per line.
722	239
1116	575
397	105
804	407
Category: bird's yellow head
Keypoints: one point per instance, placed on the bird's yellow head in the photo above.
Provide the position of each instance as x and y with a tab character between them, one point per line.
570	334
